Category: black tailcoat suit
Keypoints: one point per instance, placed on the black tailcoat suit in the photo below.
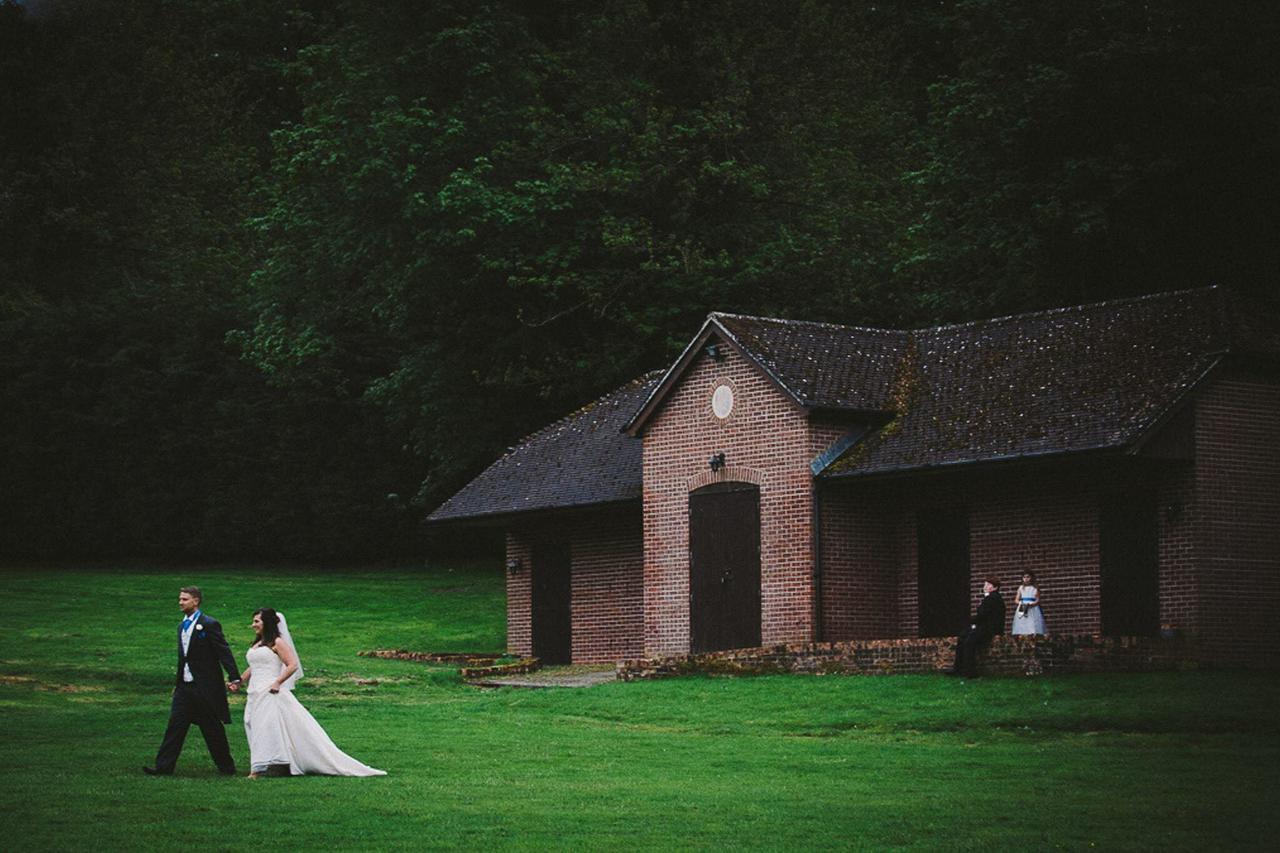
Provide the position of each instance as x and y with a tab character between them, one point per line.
203	700
986	623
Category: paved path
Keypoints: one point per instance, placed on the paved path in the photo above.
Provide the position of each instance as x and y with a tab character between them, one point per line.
555	676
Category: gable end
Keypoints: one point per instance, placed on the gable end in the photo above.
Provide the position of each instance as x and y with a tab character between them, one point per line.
712	328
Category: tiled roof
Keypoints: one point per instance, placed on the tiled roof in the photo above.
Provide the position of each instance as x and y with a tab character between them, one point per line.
817	365
822	365
1092	377
580	460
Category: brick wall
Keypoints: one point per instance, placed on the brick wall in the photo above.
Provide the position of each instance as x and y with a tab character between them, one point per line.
1046	522
861	567
1179	564
1016	520
1218	545
1219	541
766	441
606	587
1235	512
1006	656
608	590
520	542
1043	518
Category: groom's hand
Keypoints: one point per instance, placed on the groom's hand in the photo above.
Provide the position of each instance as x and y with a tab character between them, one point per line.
233	686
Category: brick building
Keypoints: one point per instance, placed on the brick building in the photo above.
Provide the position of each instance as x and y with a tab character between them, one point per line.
789	482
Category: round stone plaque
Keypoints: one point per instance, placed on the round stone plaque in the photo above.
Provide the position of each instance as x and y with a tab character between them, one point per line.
722	401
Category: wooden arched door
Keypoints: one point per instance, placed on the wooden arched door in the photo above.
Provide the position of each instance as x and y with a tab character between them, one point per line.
724	567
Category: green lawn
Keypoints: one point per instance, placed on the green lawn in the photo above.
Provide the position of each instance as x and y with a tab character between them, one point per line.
1171	761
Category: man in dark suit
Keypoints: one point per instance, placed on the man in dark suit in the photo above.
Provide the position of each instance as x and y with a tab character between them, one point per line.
199	696
986	623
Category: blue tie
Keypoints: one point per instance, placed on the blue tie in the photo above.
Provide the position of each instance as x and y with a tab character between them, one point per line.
186	623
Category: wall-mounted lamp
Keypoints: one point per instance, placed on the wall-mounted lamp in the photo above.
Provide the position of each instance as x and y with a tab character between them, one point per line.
717	461
715	351
514	565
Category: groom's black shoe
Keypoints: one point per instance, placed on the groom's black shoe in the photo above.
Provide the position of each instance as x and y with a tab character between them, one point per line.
227	771
156	771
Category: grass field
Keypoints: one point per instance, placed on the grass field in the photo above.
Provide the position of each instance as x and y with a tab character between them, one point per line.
1184	761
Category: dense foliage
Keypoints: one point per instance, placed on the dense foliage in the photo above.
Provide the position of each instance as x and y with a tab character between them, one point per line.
278	276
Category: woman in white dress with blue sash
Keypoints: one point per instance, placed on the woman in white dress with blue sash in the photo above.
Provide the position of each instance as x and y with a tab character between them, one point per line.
1028	618
284	739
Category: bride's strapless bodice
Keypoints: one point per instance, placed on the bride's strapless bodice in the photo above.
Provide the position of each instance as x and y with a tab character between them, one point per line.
266	668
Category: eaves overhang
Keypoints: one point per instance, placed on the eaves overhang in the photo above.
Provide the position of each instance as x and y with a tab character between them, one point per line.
504	518
1145	433
1112	450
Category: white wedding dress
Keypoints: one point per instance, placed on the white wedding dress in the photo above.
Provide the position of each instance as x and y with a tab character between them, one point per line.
281	731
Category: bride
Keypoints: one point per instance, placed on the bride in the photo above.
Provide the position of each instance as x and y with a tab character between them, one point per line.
284	738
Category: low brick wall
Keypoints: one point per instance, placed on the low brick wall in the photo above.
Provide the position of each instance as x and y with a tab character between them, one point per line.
465	658
473	665
1006	656
520	667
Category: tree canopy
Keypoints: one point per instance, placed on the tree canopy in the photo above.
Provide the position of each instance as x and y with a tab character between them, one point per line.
279	276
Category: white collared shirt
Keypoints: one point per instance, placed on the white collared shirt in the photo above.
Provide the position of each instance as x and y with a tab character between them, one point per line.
186	642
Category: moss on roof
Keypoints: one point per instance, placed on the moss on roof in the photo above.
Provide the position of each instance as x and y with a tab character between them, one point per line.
1088	377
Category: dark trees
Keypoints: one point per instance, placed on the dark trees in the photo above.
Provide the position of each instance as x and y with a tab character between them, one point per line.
1073	152
128	423
486	215
278	276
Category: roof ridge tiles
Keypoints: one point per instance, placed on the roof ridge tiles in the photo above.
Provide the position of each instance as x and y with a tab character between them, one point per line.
1069	309
717	315
1043	312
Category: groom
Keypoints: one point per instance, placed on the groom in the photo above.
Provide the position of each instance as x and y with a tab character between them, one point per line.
987	622
199	696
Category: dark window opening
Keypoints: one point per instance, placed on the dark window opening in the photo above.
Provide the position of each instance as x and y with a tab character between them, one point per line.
552	612
942	540
1129	558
